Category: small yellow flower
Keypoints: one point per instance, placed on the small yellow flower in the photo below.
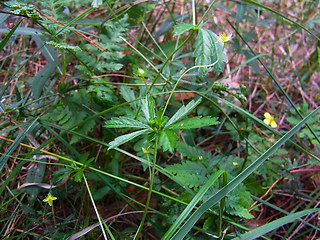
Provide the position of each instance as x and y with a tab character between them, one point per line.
269	120
146	151
224	38
200	158
49	199
235	164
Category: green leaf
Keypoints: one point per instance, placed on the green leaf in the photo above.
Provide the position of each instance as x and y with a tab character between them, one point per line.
168	140
183	111
41	78
129	96
191	205
195	122
125	122
148	108
126	138
258	232
181	28
190	173
78	175
208	48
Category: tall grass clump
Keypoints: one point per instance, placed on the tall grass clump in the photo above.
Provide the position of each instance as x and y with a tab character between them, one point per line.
159	120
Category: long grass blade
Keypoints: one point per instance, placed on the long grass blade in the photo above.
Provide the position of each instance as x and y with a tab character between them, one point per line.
4	158
240	178
8	36
258	232
192	205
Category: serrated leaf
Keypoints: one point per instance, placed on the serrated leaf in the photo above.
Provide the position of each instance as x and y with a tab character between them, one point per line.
191	173
208	48
78	175
193	153
195	122
148	108
126	138
168	140
181	28
125	122
183	111
128	95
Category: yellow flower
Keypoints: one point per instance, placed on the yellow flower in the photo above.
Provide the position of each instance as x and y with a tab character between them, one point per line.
269	120
235	164
224	38
200	158
146	151
49	199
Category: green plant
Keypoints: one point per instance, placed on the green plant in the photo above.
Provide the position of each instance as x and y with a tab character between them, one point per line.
157	111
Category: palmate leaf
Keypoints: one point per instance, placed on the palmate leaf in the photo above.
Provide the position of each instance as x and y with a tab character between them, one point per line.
183	111
208	48
126	138
125	122
195	122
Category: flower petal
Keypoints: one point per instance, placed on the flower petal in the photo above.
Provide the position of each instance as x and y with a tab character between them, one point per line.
273	124
266	121
267	115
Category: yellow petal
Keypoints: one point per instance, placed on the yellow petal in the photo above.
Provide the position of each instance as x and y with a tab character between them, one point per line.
273	124
49	199
235	164
267	115
266	121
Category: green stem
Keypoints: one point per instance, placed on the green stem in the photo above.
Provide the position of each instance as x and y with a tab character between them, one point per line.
96	210
149	192
188	70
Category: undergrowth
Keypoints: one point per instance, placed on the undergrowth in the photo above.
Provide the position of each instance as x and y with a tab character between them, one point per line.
159	120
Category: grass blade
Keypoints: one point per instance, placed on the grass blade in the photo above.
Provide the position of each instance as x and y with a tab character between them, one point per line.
258	232
4	158
38	81
191	205
240	178
8	36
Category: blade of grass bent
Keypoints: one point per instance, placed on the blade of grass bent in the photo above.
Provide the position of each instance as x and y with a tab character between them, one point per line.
240	178
258	232
191	205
